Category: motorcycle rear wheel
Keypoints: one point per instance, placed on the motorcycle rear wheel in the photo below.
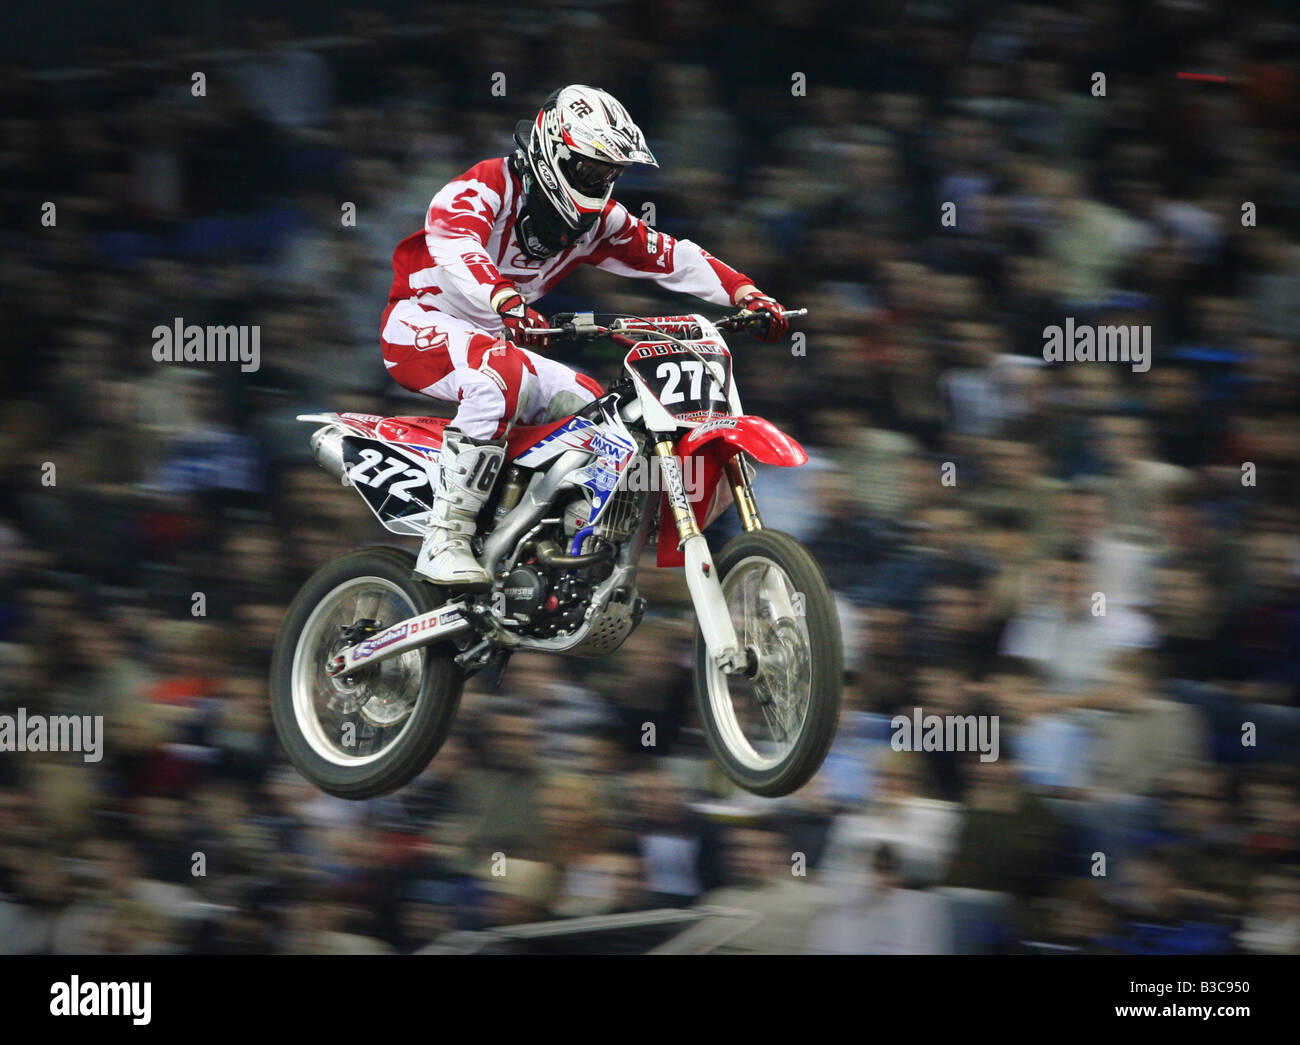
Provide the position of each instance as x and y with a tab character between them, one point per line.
369	733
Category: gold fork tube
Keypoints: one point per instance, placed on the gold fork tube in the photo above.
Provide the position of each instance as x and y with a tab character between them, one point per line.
743	493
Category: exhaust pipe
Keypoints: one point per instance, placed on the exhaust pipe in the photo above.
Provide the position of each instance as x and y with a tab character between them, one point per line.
550	555
327	448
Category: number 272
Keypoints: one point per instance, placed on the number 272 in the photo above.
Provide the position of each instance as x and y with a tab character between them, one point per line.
671	374
393	466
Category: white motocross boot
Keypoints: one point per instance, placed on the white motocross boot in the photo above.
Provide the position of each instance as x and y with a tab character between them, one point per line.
467	470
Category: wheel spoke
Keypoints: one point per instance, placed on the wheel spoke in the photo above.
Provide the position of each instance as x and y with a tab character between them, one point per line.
761	717
351	720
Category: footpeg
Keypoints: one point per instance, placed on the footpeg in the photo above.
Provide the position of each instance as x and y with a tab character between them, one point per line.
484	621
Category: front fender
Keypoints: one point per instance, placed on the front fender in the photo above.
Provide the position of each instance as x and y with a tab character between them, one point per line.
761	439
704	452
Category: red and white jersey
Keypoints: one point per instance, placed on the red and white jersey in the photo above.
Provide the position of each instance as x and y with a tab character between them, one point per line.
468	247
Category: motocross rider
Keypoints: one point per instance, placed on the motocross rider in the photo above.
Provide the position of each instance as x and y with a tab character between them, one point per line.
458	326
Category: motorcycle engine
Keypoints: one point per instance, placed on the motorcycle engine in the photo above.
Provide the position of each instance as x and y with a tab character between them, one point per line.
545	606
548	602
525	592
566	606
576	514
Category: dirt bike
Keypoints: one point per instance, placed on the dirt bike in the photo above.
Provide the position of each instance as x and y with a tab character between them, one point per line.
370	660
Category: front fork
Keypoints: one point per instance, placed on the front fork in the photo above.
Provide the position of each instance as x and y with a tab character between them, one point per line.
743	494
701	576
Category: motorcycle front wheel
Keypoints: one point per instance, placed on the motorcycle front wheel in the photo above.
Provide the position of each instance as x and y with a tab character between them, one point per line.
365	734
771	726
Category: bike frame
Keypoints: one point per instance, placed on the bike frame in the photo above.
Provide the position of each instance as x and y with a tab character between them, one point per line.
719	446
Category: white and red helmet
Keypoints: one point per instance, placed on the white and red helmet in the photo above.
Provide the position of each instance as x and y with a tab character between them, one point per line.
574	151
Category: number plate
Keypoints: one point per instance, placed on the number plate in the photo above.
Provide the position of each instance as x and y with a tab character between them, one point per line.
392	484
680	382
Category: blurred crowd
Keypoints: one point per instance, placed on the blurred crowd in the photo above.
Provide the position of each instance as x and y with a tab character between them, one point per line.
968	502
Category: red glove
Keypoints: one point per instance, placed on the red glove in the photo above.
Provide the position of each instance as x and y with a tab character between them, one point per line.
777	324
519	320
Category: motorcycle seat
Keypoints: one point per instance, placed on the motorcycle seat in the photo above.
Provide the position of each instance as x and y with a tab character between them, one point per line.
427	431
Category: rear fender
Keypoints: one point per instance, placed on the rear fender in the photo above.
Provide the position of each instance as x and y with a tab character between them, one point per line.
390	465
704	452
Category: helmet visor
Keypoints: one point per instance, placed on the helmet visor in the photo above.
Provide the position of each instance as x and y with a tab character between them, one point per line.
591	177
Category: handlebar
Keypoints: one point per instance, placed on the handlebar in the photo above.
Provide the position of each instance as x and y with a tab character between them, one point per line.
748	318
582	326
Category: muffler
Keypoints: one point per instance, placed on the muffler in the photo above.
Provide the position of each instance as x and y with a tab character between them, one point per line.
327	448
